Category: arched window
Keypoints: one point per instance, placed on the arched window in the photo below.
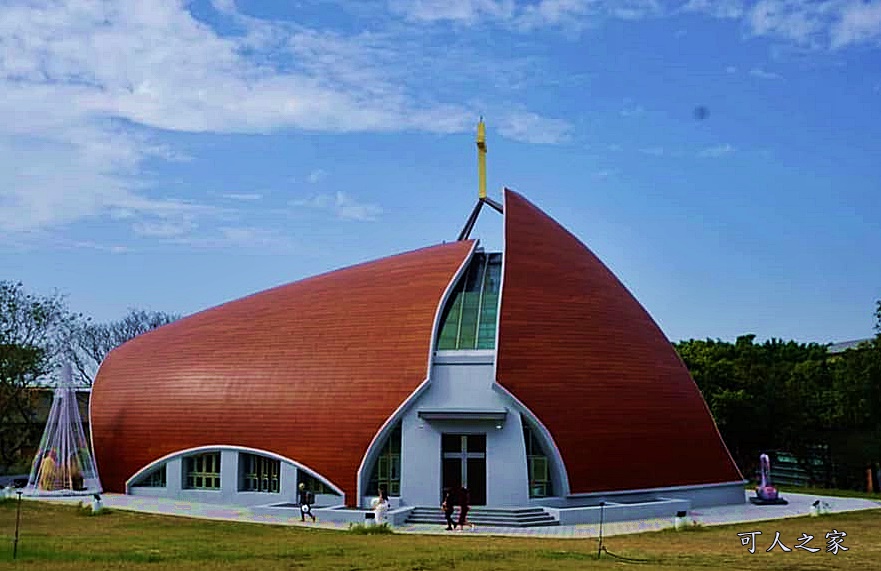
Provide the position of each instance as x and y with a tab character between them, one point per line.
155	478
387	468
537	465
313	484
469	318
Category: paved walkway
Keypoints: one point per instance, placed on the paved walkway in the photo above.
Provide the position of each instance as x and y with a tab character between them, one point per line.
799	505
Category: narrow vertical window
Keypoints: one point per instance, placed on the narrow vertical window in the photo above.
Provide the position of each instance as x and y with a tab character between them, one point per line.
387	469
537	464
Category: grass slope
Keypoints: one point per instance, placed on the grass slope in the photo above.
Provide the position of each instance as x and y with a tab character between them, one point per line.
64	538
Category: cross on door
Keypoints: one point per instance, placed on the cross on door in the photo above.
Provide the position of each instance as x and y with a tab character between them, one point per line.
464	463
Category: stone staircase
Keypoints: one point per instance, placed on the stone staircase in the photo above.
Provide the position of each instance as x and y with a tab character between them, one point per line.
502	517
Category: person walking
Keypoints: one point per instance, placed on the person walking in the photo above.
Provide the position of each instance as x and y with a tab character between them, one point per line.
464	506
448	505
305	500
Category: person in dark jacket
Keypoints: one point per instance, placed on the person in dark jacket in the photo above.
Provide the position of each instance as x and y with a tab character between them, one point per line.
305	500
448	505
464	501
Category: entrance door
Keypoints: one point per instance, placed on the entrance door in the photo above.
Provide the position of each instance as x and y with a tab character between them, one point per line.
464	464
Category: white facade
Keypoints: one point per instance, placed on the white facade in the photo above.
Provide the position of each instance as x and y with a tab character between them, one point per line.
461	385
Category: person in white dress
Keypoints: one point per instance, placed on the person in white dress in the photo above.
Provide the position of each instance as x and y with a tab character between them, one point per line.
381	506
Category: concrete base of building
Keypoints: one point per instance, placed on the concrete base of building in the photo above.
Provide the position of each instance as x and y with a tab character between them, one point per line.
590	509
337	514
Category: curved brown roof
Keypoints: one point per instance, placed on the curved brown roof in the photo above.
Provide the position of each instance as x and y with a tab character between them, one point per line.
585	357
309	370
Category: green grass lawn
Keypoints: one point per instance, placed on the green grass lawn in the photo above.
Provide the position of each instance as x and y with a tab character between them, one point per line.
56	537
829	492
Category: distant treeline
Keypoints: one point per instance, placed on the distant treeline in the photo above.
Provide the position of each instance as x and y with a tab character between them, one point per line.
823	408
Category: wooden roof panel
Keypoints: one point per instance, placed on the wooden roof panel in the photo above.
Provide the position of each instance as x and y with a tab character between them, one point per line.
583	355
309	370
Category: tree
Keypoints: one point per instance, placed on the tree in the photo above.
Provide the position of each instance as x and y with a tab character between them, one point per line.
34	334
878	318
93	341
762	396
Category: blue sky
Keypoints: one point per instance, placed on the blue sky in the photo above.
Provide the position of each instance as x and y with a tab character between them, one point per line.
175	155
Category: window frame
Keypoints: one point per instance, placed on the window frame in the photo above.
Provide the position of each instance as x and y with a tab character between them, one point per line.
157	477
540	485
259	473
202	471
470	317
390	457
313	484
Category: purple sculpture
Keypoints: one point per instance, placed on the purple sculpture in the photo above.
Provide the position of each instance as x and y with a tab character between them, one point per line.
766	493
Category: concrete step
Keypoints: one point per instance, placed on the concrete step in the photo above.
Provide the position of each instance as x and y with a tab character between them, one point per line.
504	517
478	518
437	514
488	521
488	511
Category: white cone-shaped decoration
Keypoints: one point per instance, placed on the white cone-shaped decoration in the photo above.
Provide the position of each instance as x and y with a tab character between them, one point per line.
64	465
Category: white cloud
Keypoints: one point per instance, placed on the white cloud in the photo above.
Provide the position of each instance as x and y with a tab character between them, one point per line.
342	205
763	74
728	9
570	13
635	9
55	177
165	229
348	208
814	24
88	245
528	127
800	22
730	69
526	16
464	11
807	23
88	85
316	176
716	151
860	22
243	196
818	24
227	7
